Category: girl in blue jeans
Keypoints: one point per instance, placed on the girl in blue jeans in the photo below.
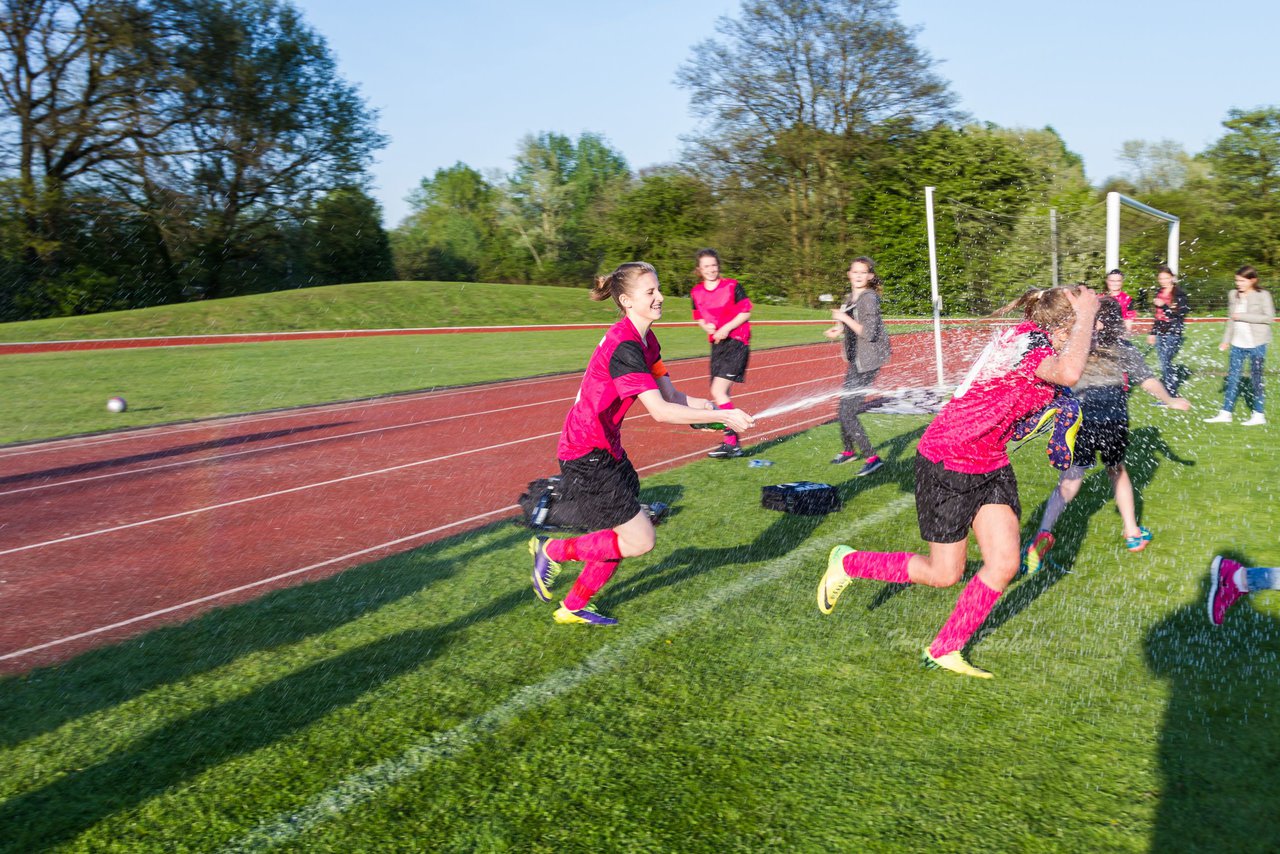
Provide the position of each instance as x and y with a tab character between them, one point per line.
1171	306
1250	313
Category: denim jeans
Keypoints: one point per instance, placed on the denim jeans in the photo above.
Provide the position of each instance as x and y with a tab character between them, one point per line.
1257	356
1167	346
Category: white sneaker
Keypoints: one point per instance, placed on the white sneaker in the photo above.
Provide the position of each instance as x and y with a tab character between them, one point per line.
1223	417
1254	420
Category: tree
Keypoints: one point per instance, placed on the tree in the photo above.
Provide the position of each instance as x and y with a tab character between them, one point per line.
345	241
451	232
663	218
1244	182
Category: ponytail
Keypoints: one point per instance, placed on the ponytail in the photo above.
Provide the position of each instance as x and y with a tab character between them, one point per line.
620	281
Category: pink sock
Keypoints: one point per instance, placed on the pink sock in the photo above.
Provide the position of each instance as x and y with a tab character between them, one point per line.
592	578
972	608
730	437
598	545
880	566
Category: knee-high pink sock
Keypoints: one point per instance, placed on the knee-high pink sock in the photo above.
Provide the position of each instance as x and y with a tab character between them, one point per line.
598	545
972	608
592	578
730	437
881	566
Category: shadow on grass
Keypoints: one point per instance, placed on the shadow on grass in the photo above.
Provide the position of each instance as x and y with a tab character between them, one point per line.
1219	749
1145	446
46	698
169	756
165	453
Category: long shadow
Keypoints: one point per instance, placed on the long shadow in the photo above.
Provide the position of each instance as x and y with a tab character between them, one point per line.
1219	749
184	749
1145	446
165	453
44	699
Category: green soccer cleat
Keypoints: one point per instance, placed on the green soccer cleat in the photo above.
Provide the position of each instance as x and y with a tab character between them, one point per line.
1033	556
834	580
954	662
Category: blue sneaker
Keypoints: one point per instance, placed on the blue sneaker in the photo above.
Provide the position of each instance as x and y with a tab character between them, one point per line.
873	464
584	616
545	569
1138	543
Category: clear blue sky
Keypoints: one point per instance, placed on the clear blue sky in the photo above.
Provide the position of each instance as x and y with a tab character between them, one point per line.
464	80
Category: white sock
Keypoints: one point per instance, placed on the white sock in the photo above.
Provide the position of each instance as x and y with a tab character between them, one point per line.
1241	578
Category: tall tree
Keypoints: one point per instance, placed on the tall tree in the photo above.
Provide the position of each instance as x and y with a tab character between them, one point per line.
345	241
1244	183
451	232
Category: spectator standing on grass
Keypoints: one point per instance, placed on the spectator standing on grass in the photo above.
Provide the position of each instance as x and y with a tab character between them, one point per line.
1250	314
600	490
1114	367
1170	307
964	480
1115	290
866	350
721	308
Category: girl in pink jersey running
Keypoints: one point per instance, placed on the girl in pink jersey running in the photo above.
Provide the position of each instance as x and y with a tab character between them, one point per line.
721	308
600	490
964	479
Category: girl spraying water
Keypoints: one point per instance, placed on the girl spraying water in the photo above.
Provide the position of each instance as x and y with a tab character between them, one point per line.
1113	368
964	480
721	308
866	349
600	488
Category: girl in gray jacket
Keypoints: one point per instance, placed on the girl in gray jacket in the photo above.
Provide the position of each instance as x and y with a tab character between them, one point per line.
866	348
1250	313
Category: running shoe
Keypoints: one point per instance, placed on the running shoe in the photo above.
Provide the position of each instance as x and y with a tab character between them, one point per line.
545	569
584	616
1033	556
726	452
834	580
1255	420
844	457
1138	543
1223	417
1223	590
953	661
873	464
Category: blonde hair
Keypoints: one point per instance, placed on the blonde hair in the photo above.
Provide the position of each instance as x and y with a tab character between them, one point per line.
1048	308
620	281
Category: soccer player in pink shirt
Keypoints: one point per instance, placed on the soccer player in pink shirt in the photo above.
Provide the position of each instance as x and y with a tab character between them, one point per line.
964	480
1115	290
600	490
721	308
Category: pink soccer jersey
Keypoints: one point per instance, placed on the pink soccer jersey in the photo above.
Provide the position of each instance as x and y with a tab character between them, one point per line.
620	370
721	305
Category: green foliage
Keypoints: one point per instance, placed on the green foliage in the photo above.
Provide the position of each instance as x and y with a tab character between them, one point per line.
345	241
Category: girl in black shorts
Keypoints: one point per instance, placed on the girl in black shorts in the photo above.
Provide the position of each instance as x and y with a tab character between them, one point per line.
600	488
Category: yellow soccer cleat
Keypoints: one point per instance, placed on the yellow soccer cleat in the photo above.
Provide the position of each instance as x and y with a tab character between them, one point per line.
584	616
954	662
834	580
1033	556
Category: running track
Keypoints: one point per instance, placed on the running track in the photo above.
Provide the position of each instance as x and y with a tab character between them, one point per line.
106	537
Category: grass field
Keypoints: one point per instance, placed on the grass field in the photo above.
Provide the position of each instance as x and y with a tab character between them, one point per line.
427	701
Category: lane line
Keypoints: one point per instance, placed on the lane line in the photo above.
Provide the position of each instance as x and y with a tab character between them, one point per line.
369	783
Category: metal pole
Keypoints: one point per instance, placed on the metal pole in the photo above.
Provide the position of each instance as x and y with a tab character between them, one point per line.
1175	229
933	281
1113	232
1053	242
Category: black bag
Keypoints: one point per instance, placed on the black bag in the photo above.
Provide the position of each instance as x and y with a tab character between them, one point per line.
803	497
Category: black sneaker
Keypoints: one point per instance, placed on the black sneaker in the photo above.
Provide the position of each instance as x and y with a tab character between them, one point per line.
872	464
844	457
726	452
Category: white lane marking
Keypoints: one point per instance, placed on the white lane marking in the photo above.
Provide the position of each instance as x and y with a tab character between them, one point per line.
369	783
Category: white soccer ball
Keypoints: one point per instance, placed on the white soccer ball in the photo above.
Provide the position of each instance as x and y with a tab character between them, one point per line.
116	404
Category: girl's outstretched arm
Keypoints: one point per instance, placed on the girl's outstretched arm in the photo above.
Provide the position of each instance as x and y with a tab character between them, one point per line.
1156	389
673	412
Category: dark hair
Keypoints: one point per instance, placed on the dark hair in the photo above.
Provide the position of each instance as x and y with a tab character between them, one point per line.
620	281
1165	268
1115	272
1112	318
875	282
703	253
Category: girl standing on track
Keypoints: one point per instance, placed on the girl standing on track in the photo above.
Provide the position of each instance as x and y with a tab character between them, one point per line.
1113	368
721	308
1171	308
1250	313
600	488
866	349
963	476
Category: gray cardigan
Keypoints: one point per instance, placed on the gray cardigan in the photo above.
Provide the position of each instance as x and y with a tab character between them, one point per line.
1259	312
871	348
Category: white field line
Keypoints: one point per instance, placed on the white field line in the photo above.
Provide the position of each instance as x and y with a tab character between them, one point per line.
263	449
221	594
341	558
369	783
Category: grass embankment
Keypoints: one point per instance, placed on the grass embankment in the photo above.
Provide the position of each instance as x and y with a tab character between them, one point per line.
427	701
58	394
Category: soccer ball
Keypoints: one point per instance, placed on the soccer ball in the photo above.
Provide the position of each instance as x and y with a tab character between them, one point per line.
116	404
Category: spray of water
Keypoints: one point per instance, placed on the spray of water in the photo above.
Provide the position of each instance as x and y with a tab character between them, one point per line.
904	400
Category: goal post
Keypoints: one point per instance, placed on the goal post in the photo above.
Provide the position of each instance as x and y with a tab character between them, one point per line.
1114	201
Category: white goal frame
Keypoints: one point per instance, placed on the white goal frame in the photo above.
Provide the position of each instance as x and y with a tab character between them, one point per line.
1114	201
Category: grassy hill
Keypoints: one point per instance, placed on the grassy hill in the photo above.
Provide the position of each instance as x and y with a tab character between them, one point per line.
367	305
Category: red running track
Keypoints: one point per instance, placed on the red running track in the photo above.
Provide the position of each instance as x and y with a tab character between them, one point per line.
106	537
